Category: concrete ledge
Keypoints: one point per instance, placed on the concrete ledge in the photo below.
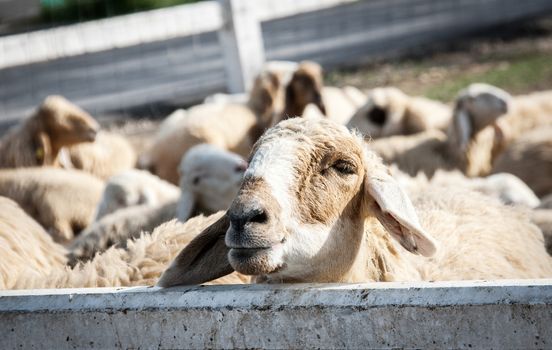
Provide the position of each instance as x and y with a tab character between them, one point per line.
499	314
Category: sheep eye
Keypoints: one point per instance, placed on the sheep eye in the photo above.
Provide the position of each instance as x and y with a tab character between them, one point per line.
195	180
377	116
344	167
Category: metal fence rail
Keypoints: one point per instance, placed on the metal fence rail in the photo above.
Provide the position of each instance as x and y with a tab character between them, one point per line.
175	56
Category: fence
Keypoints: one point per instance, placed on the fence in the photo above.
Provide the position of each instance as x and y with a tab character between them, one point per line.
179	55
499	314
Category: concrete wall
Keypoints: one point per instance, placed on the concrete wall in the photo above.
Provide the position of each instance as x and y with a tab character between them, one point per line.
505	314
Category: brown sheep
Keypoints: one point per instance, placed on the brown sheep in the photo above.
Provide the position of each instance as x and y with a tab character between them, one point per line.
37	141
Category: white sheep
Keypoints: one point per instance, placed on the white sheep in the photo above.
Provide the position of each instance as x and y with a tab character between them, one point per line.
529	157
470	144
210	182
317	206
63	201
39	139
388	111
141	263
135	187
108	155
25	248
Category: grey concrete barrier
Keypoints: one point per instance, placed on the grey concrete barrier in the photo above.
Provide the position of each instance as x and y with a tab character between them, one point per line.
498	314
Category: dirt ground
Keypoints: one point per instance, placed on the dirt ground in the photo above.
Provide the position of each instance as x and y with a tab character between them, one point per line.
516	58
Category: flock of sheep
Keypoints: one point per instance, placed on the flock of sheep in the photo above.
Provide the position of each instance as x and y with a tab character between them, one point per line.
299	182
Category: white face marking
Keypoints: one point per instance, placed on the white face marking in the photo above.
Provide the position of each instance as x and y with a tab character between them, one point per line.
274	163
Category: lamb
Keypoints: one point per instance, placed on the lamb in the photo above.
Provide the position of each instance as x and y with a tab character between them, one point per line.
108	155
306	87
135	187
470	144
211	181
141	263
62	201
317	206
24	246
388	111
232	127
38	140
529	157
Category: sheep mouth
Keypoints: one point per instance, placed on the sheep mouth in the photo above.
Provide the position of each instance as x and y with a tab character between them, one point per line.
254	261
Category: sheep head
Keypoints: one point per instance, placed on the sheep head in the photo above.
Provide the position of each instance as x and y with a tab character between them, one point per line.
65	123
265	98
209	181
476	107
383	114
300	213
304	87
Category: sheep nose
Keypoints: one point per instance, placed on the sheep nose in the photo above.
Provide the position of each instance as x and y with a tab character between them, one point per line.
242	213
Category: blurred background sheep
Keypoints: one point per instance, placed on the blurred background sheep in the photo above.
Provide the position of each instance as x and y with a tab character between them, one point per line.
112	151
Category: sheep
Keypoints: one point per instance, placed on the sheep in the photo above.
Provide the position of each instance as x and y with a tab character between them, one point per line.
506	188
525	112
38	140
24	246
470	144
388	111
316	205
62	201
543	219
108	155
231	127
135	187
141	263
529	157
306	87
210	182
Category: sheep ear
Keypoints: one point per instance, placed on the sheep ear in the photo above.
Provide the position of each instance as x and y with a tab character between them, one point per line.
396	213
186	206
290	101
463	128
203	260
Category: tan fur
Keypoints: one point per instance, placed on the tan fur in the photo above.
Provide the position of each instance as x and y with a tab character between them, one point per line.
37	141
528	112
25	248
140	264
370	229
63	201
388	111
108	155
529	157
232	127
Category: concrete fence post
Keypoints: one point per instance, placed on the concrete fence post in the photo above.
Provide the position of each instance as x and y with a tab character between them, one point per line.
242	43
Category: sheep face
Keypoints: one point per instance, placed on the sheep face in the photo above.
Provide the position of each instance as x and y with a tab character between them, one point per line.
305	87
305	197
301	211
66	123
382	114
266	97
210	179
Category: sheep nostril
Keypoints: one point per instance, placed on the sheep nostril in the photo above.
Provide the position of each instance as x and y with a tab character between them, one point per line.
260	218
